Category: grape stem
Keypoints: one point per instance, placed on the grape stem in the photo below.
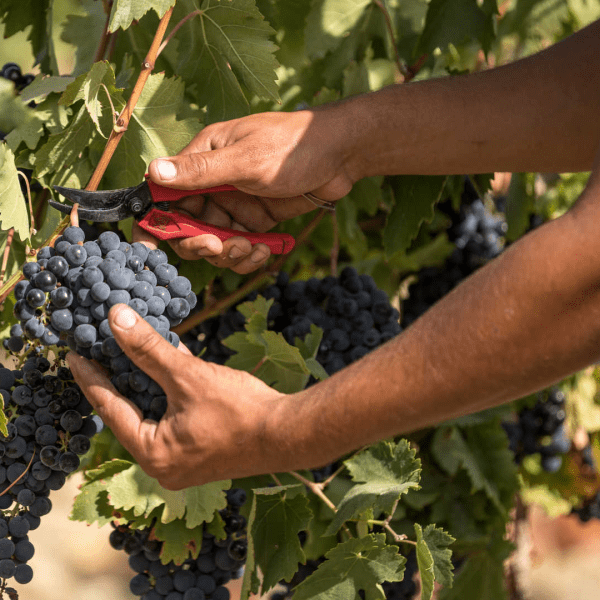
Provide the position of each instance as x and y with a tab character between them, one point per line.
176	29
106	35
20	476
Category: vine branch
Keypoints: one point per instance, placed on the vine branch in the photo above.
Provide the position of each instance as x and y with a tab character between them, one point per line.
125	116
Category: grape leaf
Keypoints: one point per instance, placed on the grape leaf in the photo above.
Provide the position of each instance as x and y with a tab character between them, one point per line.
329	22
154	130
20	122
124	12
387	470
433	557
42	85
203	500
456	22
178	541
31	15
134	489
482	575
358	564
13	208
226	46
83	32
415	197
277	519
88	87
483	452
90	502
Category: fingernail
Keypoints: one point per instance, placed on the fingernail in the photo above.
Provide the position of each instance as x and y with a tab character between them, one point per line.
258	256
166	169
124	317
211	247
236	252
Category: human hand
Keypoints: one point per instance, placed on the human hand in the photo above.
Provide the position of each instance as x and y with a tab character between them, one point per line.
272	158
215	421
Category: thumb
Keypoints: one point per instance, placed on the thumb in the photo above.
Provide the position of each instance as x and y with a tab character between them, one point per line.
198	169
145	346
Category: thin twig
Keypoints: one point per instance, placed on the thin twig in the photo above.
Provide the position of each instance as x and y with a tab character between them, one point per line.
256	282
101	51
74	215
113	111
327	481
20	476
176	29
9	239
335	249
276	479
388	21
126	113
416	67
315	488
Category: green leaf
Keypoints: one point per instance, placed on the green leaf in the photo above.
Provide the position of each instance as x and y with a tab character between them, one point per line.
278	517
13	208
481	576
83	32
203	501
89	87
431	254
178	541
329	22
133	489
124	12
415	197
387	470
483	453
30	15
455	22
226	47
434	558
18	120
519	205
42	85
154	130
358	564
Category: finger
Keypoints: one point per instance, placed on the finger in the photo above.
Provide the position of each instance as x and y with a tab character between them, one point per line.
257	258
141	235
118	413
198	170
200	246
145	346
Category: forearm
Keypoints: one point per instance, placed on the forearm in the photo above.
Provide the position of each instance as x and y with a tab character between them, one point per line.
528	319
536	114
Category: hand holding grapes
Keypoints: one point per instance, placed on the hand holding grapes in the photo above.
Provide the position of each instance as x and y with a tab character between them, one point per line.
272	158
215	415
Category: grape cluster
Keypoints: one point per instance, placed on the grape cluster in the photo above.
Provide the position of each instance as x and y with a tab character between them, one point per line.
70	289
204	578
12	72
478	237
49	425
354	314
541	429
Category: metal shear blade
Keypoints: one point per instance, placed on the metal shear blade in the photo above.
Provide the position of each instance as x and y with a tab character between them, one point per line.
104	206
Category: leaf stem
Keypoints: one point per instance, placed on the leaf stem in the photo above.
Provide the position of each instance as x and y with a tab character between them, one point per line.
315	488
101	50
256	282
126	113
276	479
177	28
9	239
388	22
32	217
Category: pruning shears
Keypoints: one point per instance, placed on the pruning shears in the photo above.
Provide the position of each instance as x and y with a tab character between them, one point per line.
148	203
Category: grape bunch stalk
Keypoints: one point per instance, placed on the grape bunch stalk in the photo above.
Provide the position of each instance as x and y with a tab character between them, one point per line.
68	291
202	578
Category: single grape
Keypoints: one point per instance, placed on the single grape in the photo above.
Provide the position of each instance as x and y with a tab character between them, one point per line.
74	235
180	287
35	298
58	265
45	281
108	240
23	574
85	335
30	269
71	421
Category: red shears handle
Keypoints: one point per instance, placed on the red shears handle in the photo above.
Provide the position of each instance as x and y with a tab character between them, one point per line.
173	225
